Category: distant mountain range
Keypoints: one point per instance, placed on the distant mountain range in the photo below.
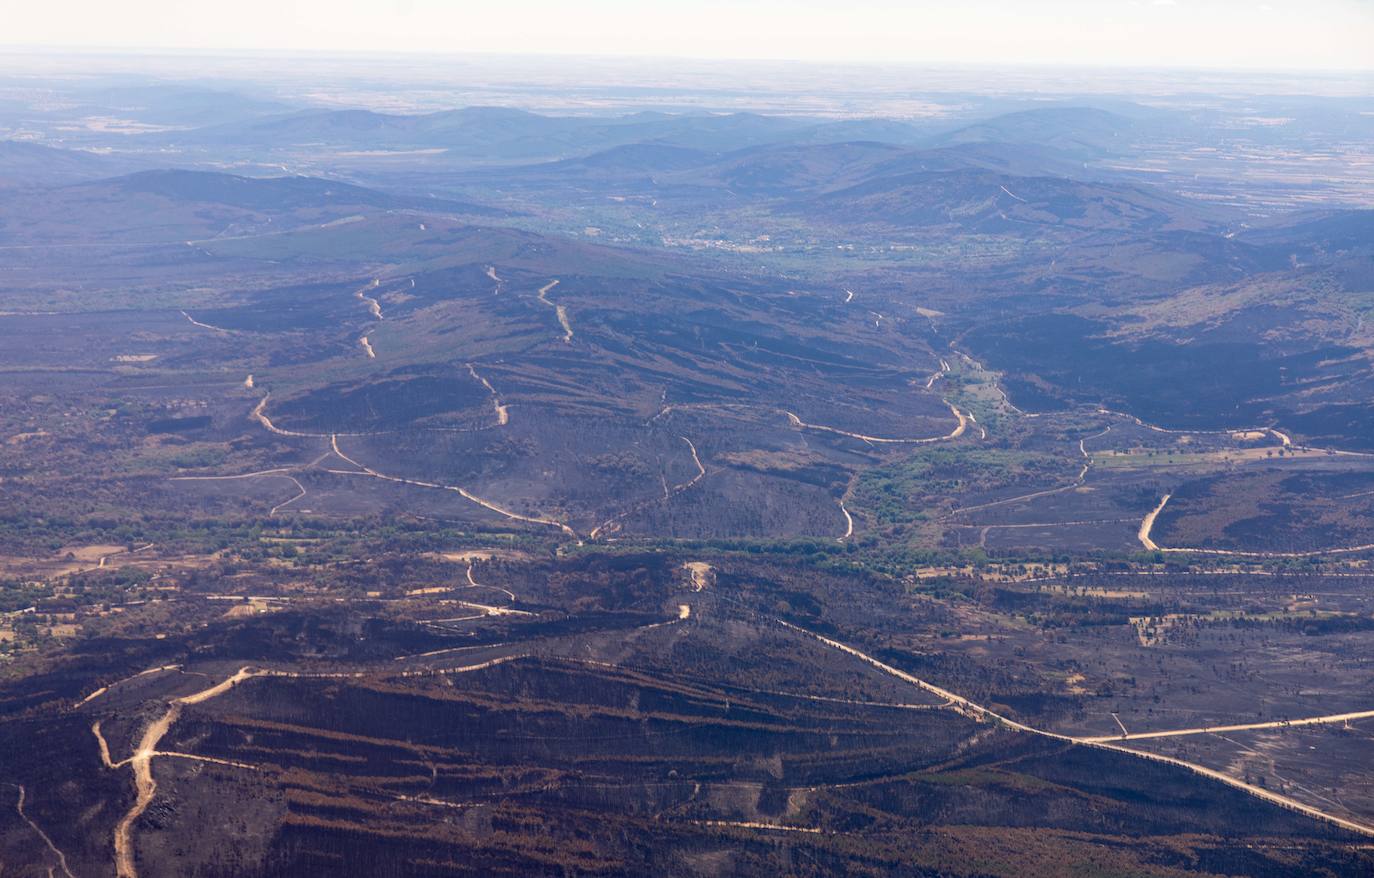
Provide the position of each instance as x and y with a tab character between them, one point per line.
273	194
172	205
497	134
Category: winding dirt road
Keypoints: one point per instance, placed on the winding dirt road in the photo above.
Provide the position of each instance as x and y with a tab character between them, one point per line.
141	762
701	468
502	412
558	309
1148	522
280	506
880	440
277	473
486	504
701	574
668	493
473	583
482	609
61	857
374	307
1076	483
259	414
1282	437
935	376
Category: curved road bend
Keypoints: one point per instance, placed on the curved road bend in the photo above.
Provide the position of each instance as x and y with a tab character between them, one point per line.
47	840
374	307
668	494
1147	524
486	504
558	309
954	434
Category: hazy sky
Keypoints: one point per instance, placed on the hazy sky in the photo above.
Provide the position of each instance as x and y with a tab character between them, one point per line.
1317	34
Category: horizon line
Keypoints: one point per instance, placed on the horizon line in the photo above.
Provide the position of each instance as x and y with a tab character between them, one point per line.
912	64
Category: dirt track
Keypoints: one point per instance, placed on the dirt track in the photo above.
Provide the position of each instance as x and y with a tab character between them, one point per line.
277	473
47	840
502	411
701	574
559	310
142	764
1329	719
141	760
195	322
976	711
486	504
1147	524
668	494
880	440
473	583
373	306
